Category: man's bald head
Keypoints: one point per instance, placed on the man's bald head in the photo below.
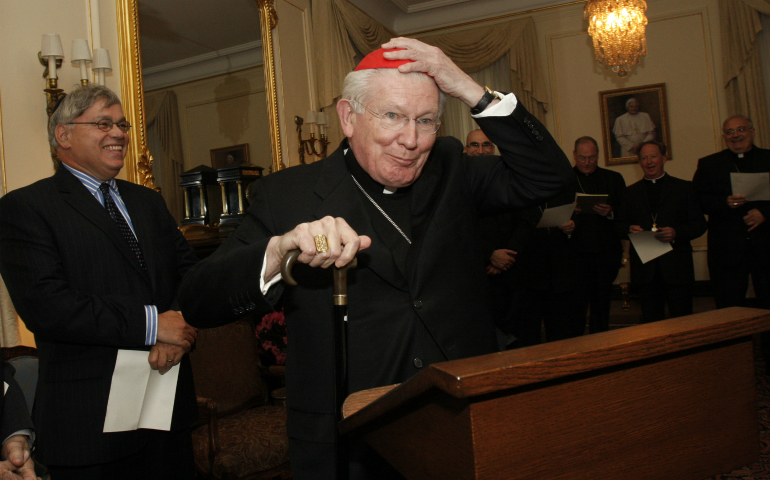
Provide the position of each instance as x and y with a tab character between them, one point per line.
478	144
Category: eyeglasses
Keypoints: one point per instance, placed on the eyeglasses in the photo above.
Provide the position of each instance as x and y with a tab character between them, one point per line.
482	145
397	121
732	132
583	159
106	125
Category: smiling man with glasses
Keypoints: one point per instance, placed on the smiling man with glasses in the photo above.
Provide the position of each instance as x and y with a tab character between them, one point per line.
406	203
478	144
93	265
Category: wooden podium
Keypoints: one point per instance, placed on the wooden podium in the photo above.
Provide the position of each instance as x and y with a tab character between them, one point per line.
667	400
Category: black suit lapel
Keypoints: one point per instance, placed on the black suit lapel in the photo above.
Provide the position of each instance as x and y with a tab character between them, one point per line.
83	202
341	198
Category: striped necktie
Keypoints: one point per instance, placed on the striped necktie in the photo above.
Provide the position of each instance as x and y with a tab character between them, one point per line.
125	230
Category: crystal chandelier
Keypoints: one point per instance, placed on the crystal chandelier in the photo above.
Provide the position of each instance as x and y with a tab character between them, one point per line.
617	28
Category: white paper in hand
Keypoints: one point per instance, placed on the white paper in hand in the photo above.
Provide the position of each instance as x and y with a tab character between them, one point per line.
647	246
140	397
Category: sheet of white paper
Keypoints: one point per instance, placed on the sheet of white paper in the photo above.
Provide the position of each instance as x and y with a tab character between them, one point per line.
159	400
5	388
647	246
556	216
753	186
140	397
129	382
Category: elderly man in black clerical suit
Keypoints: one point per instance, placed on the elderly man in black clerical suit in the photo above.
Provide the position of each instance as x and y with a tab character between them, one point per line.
669	207
597	243
739	236
16	431
93	265
407	205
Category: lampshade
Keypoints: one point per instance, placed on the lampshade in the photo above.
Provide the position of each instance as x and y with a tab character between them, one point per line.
80	51
617	28
51	46
101	60
310	117
321	118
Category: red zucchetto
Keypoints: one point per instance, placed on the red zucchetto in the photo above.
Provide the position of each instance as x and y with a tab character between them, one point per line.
376	60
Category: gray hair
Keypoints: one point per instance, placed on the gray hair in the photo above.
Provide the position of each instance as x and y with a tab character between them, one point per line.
357	85
629	101
744	117
75	103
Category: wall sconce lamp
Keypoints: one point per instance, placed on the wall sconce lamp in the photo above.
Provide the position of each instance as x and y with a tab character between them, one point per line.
309	146
51	55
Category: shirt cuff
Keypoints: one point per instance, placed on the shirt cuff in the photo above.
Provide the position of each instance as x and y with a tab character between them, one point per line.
505	107
151	322
265	286
27	432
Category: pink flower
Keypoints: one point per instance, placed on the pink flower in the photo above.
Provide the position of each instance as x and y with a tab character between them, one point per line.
276	351
267	345
284	341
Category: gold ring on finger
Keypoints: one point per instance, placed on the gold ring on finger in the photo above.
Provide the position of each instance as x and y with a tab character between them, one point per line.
321	245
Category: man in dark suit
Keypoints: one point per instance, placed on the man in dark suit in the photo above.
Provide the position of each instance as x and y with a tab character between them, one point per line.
93	265
739	236
16	431
597	243
406	204
669	207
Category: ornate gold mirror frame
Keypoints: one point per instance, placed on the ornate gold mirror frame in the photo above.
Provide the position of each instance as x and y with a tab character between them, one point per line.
139	159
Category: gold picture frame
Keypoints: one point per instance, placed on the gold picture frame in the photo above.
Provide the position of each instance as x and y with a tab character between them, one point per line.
651	100
138	163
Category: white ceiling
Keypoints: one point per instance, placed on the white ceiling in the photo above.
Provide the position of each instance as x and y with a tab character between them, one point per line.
175	32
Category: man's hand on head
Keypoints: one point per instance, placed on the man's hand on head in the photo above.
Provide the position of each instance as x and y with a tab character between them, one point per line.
342	240
174	330
432	61
17	461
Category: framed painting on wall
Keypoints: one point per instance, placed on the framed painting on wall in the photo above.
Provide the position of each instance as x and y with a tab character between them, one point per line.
229	156
631	116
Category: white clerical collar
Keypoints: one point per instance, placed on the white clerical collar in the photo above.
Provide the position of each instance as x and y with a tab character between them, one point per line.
740	155
655	180
387	190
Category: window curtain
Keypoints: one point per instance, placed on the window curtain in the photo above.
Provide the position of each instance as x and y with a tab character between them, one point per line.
475	49
341	32
165	142
741	63
457	121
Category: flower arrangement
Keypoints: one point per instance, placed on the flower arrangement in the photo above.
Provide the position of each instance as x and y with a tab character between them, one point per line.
271	333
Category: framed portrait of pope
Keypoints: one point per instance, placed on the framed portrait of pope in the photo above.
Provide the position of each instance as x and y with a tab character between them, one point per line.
631	116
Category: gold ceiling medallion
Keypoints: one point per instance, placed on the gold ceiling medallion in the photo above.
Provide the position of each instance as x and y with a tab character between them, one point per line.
617	28
139	160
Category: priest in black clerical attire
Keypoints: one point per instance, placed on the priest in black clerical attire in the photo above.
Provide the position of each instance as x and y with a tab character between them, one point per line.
598	247
739	236
668	207
406	204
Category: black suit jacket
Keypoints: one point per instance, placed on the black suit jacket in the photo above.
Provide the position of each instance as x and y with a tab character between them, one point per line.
595	234
729	240
435	310
80	290
14	415
679	209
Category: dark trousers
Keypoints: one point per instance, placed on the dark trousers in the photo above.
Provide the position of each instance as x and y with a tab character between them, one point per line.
653	298
597	272
166	456
557	310
729	283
